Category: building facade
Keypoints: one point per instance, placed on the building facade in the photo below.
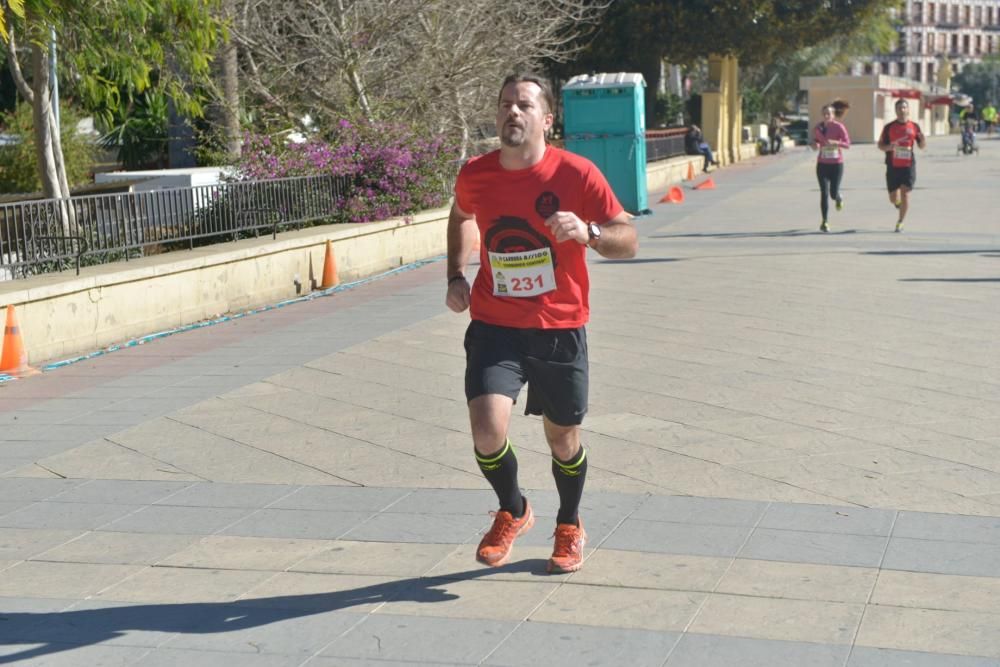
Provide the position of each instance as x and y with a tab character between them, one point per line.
938	35
872	101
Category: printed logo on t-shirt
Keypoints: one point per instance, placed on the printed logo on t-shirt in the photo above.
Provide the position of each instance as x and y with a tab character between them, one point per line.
511	234
546	204
521	259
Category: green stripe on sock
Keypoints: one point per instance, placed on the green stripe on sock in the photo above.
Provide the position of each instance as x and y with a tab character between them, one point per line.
496	458
569	467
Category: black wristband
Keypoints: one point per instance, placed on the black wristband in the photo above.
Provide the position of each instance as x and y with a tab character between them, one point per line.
457	276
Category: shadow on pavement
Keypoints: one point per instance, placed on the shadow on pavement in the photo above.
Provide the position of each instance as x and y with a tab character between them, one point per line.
651	260
932	252
68	630
749	235
949	280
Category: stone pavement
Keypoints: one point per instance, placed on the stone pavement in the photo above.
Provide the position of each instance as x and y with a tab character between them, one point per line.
794	443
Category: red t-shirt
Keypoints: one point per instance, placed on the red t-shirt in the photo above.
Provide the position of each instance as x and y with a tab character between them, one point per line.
904	135
511	207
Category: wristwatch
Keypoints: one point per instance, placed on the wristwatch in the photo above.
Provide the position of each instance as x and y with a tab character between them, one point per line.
594	232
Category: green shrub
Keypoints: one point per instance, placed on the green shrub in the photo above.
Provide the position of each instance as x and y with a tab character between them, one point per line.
18	164
139	132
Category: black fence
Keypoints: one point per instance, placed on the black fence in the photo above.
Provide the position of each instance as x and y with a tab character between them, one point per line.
49	235
663	144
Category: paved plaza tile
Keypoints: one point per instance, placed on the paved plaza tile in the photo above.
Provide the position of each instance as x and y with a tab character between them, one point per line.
793	441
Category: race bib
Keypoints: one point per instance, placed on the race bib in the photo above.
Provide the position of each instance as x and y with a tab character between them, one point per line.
830	152
902	156
522	274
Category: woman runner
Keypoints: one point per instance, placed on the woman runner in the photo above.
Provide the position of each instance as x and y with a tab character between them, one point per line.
830	138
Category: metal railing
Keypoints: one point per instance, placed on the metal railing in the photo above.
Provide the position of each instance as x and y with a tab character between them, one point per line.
48	235
55	234
663	144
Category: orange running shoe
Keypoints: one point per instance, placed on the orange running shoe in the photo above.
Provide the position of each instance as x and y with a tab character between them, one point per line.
496	545
567	555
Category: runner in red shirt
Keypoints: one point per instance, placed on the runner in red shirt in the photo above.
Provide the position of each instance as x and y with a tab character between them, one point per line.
897	141
537	209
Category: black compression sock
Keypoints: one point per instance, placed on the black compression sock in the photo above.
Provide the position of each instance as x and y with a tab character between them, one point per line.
500	470
570	476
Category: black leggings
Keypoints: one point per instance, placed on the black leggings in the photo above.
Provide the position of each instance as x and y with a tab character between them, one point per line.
829	176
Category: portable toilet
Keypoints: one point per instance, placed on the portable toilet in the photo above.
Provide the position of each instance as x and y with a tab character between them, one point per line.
604	120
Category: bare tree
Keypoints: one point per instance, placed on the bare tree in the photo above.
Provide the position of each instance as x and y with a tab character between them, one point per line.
435	62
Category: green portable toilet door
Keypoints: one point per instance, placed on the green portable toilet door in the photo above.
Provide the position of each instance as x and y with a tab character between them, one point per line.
619	169
622	160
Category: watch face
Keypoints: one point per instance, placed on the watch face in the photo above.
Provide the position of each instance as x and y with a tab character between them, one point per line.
595	230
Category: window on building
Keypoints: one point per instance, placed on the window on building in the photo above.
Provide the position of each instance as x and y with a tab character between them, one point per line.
930	12
966	45
978	16
968	15
954	43
979	44
868	68
917	72
885	67
930	72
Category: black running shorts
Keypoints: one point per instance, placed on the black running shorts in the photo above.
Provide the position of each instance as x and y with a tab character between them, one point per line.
897	177
553	362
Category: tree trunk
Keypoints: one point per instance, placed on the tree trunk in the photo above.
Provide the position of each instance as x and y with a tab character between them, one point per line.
359	90
463	122
57	153
41	107
351	68
48	148
230	84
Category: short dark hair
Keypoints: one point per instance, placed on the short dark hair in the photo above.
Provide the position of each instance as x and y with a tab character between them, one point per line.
550	100
902	100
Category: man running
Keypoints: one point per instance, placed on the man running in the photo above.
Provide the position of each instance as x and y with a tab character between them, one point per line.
897	141
538	209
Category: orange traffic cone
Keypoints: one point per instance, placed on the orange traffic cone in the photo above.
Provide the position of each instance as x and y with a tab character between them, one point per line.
14	360
330	278
707	184
690	176
674	196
